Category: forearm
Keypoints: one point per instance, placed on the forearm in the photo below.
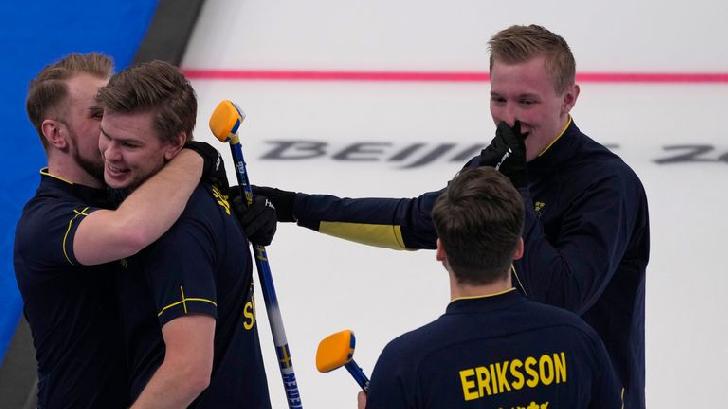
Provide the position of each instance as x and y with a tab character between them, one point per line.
168	389
380	222
187	366
143	217
143	211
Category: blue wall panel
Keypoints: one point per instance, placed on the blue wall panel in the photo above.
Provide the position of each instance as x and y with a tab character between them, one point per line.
34	34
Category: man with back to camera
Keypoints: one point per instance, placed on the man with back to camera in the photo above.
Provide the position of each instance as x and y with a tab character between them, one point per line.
187	300
492	347
587	223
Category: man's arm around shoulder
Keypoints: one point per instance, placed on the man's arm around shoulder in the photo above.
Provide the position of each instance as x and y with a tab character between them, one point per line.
187	366
105	235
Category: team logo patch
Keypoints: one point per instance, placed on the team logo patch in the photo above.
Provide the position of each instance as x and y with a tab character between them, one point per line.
222	199
538	208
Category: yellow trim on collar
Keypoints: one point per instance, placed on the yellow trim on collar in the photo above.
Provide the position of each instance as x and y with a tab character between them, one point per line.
45	172
563	130
484	296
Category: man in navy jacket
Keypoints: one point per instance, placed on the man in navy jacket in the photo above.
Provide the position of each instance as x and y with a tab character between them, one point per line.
587	226
492	347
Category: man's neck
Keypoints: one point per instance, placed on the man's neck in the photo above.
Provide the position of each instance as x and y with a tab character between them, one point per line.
459	290
72	173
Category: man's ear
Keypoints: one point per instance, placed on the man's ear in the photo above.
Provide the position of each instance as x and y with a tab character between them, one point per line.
518	252
569	98
174	147
54	134
440	254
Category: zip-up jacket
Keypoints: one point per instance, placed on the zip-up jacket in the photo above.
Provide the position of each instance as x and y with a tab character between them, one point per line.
586	236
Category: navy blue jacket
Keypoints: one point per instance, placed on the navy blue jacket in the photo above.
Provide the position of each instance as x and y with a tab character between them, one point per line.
202	265
586	236
71	308
498	351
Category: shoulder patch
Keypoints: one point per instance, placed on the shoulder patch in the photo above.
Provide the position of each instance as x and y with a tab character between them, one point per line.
222	199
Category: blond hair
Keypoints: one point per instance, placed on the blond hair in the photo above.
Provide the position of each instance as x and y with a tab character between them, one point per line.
518	44
49	89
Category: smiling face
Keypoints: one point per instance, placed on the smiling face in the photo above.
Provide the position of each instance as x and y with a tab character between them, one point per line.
132	149
526	92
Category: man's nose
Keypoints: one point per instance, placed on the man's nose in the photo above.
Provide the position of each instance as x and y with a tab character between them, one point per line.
112	151
510	114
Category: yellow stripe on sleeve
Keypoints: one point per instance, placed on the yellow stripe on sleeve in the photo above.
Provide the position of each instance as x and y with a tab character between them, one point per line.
68	230
184	300
376	235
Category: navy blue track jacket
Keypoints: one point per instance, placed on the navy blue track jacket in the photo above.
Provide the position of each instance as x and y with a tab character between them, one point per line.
71	308
202	265
496	351
586	236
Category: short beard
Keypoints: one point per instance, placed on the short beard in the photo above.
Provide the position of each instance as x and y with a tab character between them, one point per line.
95	168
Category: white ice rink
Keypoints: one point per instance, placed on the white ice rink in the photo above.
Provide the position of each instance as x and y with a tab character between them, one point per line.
326	284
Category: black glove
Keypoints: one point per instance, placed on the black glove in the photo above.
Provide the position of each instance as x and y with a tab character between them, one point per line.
213	168
507	153
258	220
282	201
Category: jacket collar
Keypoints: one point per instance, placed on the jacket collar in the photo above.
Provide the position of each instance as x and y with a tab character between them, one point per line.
563	148
91	196
485	303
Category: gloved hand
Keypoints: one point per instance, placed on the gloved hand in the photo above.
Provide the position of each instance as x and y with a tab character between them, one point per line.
507	153
282	201
213	168
258	220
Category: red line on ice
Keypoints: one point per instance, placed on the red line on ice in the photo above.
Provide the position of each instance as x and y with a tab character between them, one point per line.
449	76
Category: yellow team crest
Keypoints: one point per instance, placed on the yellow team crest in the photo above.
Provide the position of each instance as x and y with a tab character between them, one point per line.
222	199
538	207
